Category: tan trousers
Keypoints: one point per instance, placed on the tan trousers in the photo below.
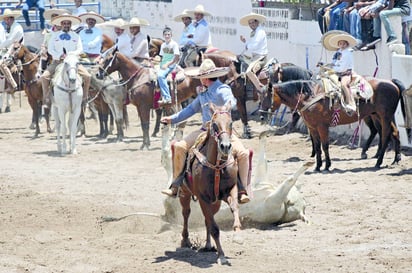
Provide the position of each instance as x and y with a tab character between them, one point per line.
48	74
182	147
254	68
7	74
349	100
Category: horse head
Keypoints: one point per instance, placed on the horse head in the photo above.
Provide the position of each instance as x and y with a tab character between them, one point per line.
221	127
70	67
14	52
105	62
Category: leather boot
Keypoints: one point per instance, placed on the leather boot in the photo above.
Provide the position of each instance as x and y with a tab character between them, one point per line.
45	83
243	170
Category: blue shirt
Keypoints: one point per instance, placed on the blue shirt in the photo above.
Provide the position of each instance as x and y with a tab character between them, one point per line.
184	40
218	93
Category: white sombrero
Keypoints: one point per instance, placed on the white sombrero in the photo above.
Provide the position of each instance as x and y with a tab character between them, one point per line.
244	21
333	42
329	35
207	69
199	9
10	13
137	22
185	13
66	17
48	13
91	15
119	23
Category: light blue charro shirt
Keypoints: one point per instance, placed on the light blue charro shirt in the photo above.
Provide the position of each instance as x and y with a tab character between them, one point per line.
218	93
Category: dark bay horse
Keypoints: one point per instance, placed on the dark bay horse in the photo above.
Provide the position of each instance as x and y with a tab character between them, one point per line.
139	85
309	99
30	63
276	72
212	178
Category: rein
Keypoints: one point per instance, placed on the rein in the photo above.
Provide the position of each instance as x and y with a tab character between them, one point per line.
220	164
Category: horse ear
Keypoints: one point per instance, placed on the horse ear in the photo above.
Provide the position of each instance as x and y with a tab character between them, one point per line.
21	40
64	51
212	107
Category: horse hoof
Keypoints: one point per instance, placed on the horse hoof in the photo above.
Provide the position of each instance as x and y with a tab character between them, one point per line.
364	156
222	261
32	126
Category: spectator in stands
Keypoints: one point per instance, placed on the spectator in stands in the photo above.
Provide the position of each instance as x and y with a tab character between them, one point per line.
394	8
170	53
188	30
63	40
256	48
201	37
406	29
91	36
79	9
138	41
367	13
39	4
13	32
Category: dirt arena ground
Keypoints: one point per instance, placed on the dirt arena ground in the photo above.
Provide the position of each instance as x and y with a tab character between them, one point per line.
50	207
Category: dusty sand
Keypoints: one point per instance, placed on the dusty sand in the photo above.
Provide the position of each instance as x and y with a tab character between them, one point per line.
50	206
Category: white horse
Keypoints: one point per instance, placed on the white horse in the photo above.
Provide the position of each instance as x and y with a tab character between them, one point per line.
68	94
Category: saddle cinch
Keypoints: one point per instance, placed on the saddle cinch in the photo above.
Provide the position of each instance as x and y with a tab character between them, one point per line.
359	87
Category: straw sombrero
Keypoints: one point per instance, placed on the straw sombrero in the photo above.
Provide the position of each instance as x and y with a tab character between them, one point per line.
333	42
244	21
329	35
119	23
48	13
91	15
185	13
207	70
66	17
10	13
137	22
199	9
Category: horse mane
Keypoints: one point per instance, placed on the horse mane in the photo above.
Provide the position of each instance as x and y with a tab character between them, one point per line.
294	72
293	88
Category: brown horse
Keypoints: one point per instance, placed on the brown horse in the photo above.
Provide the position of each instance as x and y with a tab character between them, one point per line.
154	46
309	99
212	178
30	62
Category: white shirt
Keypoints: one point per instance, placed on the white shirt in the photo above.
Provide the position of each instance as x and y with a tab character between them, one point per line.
258	44
92	42
15	34
79	10
139	46
168	51
343	60
56	44
201	35
123	44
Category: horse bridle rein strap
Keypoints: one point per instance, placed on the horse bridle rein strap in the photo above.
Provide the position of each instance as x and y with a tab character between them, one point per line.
312	102
218	168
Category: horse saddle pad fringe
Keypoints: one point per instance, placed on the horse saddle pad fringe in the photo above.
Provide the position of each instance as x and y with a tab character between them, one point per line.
360	88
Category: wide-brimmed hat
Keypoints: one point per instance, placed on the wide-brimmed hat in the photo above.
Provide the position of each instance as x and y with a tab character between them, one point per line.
244	21
327	36
199	9
91	15
48	13
137	22
119	23
185	13
333	42
66	17
10	13
207	69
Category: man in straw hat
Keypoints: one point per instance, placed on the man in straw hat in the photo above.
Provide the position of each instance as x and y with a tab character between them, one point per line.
121	36
63	40
138	41
188	30
219	94
256	46
13	32
201	38
342	63
91	36
28	4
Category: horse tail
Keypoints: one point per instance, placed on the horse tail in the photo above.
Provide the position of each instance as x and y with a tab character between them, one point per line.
401	88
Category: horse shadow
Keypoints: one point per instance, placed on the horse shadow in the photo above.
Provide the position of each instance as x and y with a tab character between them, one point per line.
191	256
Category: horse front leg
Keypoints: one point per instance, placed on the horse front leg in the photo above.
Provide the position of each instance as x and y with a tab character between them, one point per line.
233	203
73	129
144	113
386	131
185	203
